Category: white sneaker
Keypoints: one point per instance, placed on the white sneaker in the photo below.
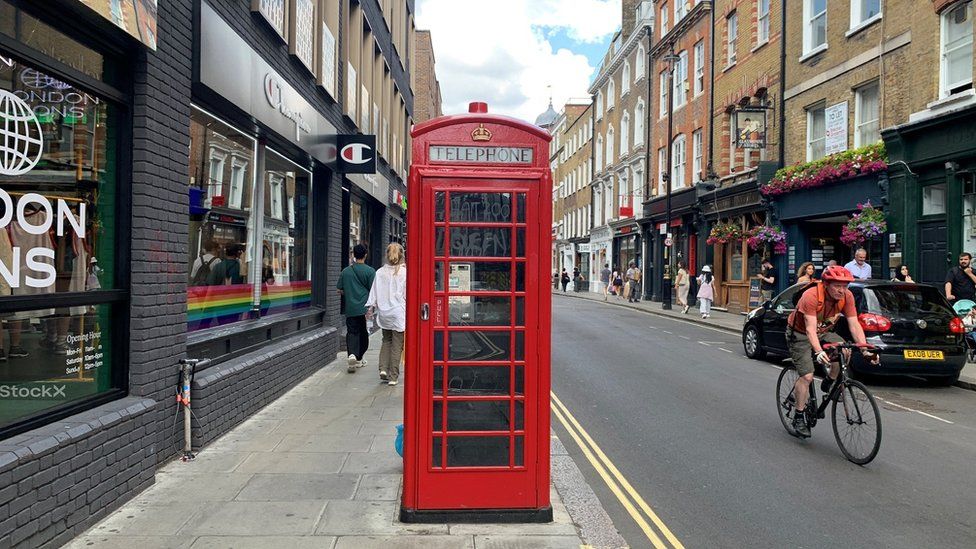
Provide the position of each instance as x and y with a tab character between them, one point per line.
392	382
383	376
352	362
362	363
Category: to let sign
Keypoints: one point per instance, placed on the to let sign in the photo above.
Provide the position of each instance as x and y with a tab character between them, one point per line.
836	133
481	155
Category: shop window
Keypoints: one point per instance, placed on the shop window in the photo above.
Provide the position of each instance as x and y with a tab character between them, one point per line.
58	213
934	199
736	264
956	73
220	230
285	260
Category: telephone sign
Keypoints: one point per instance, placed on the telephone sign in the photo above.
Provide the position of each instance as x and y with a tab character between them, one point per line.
476	405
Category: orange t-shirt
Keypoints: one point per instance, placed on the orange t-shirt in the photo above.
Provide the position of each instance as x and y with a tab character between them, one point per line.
808	306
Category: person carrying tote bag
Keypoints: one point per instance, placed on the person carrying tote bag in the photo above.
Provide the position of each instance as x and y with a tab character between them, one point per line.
706	292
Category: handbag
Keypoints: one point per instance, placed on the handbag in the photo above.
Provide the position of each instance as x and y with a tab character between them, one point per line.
627	289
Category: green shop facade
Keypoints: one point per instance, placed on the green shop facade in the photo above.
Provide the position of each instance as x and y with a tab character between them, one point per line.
932	192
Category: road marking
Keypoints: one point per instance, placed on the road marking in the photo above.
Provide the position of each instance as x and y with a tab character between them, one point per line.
712	342
684	337
916	411
726	350
628	506
616	473
653	327
667	332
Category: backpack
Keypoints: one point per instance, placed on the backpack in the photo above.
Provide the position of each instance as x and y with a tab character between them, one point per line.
203	273
820	297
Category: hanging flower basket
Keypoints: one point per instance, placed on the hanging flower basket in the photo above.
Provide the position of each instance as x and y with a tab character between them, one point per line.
766	235
867	224
836	167
725	233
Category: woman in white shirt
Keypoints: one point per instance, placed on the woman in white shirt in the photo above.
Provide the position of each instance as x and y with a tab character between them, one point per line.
388	301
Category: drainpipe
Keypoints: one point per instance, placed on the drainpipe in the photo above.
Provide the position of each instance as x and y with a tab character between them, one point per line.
782	83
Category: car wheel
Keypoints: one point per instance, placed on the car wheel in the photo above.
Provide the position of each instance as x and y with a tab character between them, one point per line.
753	343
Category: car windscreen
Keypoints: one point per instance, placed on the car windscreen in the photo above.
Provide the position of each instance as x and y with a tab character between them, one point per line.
906	301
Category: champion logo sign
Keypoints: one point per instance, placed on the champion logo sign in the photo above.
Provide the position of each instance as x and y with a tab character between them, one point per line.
357	153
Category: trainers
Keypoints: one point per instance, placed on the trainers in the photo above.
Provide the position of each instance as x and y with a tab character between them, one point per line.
800	424
18	351
383	376
352	362
392	382
362	363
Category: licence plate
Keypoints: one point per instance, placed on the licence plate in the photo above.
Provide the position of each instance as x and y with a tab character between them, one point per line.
917	354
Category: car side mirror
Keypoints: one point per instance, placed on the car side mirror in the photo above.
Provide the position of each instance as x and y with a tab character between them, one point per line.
768	304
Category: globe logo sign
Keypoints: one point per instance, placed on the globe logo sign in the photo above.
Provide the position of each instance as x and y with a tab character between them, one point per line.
21	141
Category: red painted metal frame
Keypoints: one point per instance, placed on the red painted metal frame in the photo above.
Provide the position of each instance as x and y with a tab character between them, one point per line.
498	487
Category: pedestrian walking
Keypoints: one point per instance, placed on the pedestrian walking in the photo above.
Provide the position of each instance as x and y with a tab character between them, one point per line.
767	280
354	284
683	283
960	282
706	292
605	280
804	275
618	283
564	280
859	266
901	275
388	301
633	279
228	271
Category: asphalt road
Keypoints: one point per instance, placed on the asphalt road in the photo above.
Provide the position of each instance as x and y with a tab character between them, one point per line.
691	423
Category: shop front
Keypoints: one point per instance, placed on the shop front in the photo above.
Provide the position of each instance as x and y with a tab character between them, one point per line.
601	256
582	259
933	192
683	240
626	244
814	220
365	215
730	211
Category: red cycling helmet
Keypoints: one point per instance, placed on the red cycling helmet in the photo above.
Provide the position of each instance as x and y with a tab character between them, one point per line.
836	273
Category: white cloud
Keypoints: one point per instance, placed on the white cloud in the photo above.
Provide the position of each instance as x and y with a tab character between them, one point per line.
496	51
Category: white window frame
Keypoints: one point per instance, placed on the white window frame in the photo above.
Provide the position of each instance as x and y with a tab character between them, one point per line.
762	24
238	169
610	136
664	18
680	10
625	79
809	17
859	121
611	94
732	142
639	63
857	22
640	114
215	185
679	158
699	67
681	80
276	184
599	104
946	87
664	96
599	153
662	166
732	35
697	154
625	133
811	140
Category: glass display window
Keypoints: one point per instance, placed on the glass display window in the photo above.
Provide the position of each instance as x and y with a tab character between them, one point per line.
285	261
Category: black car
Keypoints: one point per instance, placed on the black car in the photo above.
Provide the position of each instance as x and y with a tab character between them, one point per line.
913	325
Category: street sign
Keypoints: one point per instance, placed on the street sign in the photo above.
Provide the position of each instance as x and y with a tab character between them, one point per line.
668	242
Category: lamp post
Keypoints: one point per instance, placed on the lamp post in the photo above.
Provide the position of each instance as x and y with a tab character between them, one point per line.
672	60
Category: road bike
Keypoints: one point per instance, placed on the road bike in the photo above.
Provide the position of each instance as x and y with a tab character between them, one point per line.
854	412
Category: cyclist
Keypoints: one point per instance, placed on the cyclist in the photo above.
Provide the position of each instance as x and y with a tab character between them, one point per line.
811	325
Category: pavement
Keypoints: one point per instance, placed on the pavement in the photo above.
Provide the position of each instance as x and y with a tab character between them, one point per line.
690	423
317	468
721	320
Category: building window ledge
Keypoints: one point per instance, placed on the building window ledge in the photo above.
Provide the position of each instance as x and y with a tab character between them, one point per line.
863	25
813	53
945	105
759	46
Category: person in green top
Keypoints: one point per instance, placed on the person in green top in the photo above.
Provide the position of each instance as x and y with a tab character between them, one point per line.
354	284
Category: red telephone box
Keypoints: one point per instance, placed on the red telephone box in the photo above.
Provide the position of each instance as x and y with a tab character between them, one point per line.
476	405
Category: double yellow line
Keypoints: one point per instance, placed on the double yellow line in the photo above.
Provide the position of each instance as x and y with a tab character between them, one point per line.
628	497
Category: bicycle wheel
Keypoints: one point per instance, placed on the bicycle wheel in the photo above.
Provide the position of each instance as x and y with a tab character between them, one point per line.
785	403
857	423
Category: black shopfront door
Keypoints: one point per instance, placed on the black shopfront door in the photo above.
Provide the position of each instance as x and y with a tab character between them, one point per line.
933	251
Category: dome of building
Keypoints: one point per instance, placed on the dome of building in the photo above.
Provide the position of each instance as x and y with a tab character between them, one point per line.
546	119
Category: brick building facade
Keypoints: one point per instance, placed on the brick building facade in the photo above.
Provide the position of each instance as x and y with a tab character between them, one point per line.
570	156
427	101
257	201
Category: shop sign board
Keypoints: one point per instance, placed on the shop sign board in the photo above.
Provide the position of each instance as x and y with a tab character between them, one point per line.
755	295
480	155
357	153
836	132
750	128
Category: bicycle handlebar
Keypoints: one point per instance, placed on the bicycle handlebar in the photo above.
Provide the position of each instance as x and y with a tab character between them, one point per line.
864	346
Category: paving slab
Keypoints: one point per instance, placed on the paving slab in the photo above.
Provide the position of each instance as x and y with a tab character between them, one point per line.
324	443
292	462
377	487
145	519
344	518
526	542
129	542
256	518
263	542
298	487
177	486
405	542
373	462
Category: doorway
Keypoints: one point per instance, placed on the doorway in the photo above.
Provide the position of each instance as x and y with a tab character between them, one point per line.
933	251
